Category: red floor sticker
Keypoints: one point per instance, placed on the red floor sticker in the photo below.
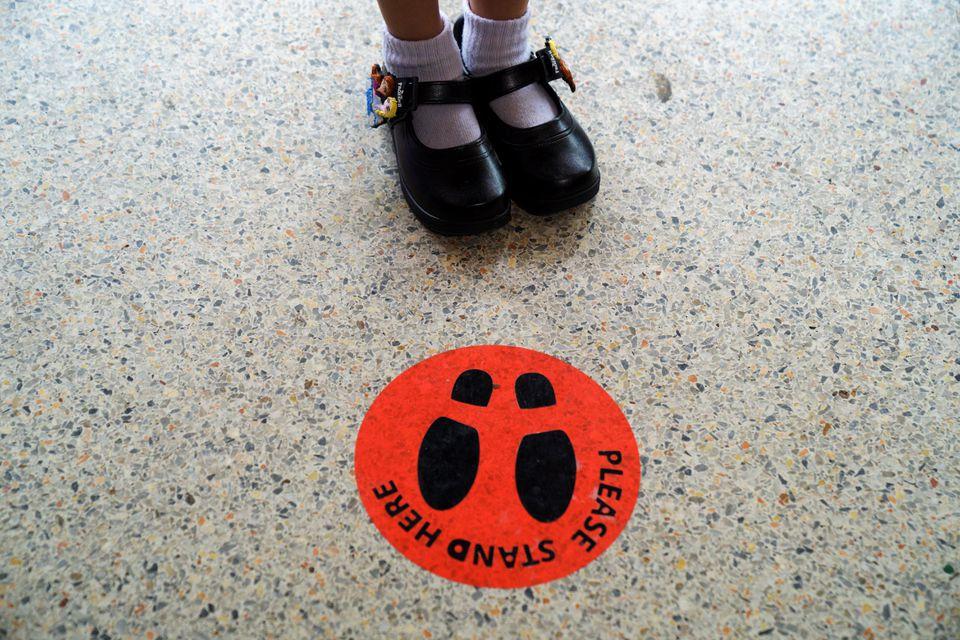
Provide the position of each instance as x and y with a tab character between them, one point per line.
497	466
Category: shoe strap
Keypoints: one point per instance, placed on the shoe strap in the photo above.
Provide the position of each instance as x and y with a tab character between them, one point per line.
392	98
545	65
446	92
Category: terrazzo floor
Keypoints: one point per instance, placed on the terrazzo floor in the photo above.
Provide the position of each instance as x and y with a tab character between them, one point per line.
208	274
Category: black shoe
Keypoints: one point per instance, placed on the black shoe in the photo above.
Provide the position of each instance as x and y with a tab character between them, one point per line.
454	191
549	167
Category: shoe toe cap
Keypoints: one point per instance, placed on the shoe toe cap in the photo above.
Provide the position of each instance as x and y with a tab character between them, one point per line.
460	198
572	170
558	170
471	192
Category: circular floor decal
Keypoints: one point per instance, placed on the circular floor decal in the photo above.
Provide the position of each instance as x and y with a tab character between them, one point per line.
497	466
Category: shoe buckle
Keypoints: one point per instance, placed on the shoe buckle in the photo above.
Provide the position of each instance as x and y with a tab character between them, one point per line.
389	96
559	68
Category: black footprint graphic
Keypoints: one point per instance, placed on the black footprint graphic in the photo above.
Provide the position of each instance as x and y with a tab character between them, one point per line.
546	465
450	451
546	468
534	391
473	387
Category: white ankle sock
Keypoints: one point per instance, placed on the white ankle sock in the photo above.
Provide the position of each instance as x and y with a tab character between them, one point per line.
439	126
492	45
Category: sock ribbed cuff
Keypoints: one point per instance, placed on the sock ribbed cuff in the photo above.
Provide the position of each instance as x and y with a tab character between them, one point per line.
491	45
431	60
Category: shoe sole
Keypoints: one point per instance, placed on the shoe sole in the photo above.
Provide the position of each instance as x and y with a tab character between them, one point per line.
449	228
546	207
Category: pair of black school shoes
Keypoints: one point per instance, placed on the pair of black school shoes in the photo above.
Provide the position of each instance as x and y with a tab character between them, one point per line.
467	189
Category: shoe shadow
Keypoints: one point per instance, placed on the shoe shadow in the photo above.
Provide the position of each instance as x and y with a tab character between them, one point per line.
526	237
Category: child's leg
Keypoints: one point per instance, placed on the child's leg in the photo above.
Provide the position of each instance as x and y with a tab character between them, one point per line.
412	19
418	41
499	9
494	38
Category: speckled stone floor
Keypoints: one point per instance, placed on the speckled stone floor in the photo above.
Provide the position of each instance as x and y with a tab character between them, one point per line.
208	274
